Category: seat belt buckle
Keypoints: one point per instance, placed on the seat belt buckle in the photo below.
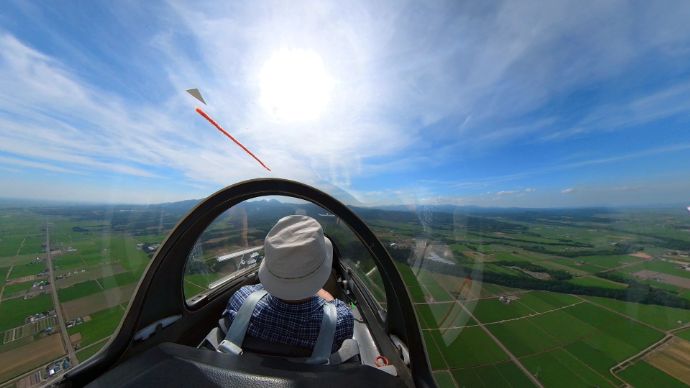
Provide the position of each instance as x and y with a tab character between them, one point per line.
317	361
229	347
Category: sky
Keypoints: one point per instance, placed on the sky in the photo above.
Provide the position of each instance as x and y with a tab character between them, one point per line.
502	103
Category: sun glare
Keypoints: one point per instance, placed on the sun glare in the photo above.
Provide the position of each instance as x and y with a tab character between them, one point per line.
294	85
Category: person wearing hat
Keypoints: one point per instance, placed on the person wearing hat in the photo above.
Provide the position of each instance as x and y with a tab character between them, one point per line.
297	262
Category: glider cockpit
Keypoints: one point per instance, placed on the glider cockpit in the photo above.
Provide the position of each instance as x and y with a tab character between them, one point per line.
173	329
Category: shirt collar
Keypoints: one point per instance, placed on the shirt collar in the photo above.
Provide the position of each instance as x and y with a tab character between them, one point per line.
311	304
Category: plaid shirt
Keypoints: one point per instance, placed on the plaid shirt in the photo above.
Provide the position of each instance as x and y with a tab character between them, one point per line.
293	324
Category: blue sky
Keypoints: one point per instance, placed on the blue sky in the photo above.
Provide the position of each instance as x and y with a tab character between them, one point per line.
503	104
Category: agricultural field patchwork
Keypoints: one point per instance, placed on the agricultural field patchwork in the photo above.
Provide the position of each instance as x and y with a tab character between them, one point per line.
503	298
569	309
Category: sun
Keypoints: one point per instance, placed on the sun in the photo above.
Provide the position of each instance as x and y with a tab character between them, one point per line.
294	85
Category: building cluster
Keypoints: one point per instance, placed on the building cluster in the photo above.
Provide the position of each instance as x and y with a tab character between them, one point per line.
70	273
74	322
57	366
150	249
38	316
41	284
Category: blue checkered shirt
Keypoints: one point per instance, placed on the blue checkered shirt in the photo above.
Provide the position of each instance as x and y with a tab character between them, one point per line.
273	320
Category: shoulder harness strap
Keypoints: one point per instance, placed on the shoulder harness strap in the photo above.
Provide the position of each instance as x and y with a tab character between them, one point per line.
238	329
324	342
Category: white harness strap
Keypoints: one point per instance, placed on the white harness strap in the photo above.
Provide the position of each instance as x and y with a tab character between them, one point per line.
324	342
238	329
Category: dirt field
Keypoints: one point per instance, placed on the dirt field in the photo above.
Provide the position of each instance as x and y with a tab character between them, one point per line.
641	255
75	338
673	358
23	279
96	302
91	274
664	278
477	256
33	355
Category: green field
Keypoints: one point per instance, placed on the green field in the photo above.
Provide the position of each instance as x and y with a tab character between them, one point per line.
492	310
68	261
85	354
685	334
442	315
412	283
9	244
14	289
576	265
20	243
663	318
594	281
78	290
191	289
498	375
3	274
102	324
118	280
562	339
546	330
643	375
658	266
559	368
13	311
33	268
454	343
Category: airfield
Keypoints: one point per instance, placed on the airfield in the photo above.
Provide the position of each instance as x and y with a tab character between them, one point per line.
554	298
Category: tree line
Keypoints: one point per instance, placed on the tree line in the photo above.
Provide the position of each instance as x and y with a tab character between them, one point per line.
635	292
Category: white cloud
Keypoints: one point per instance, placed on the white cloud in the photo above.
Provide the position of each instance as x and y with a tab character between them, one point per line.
571	165
398	68
492	64
666	102
31	164
569	190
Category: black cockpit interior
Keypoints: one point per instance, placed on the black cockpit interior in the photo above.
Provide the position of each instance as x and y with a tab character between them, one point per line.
168	340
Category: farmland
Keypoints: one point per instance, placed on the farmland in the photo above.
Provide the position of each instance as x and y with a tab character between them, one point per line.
569	294
503	298
96	271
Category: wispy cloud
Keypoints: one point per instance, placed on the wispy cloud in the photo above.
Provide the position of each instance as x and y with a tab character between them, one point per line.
504	193
413	84
31	164
665	103
584	163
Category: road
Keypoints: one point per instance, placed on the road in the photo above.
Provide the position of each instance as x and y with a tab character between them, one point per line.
614	370
69	349
504	320
504	348
510	354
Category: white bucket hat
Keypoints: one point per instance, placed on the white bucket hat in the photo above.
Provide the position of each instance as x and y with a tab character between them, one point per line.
298	258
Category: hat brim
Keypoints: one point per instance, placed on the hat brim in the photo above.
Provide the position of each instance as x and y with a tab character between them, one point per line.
297	289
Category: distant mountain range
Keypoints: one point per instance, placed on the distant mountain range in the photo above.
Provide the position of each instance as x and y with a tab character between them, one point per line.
183	206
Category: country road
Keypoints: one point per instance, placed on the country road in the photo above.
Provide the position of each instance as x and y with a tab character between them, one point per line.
69	349
510	354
